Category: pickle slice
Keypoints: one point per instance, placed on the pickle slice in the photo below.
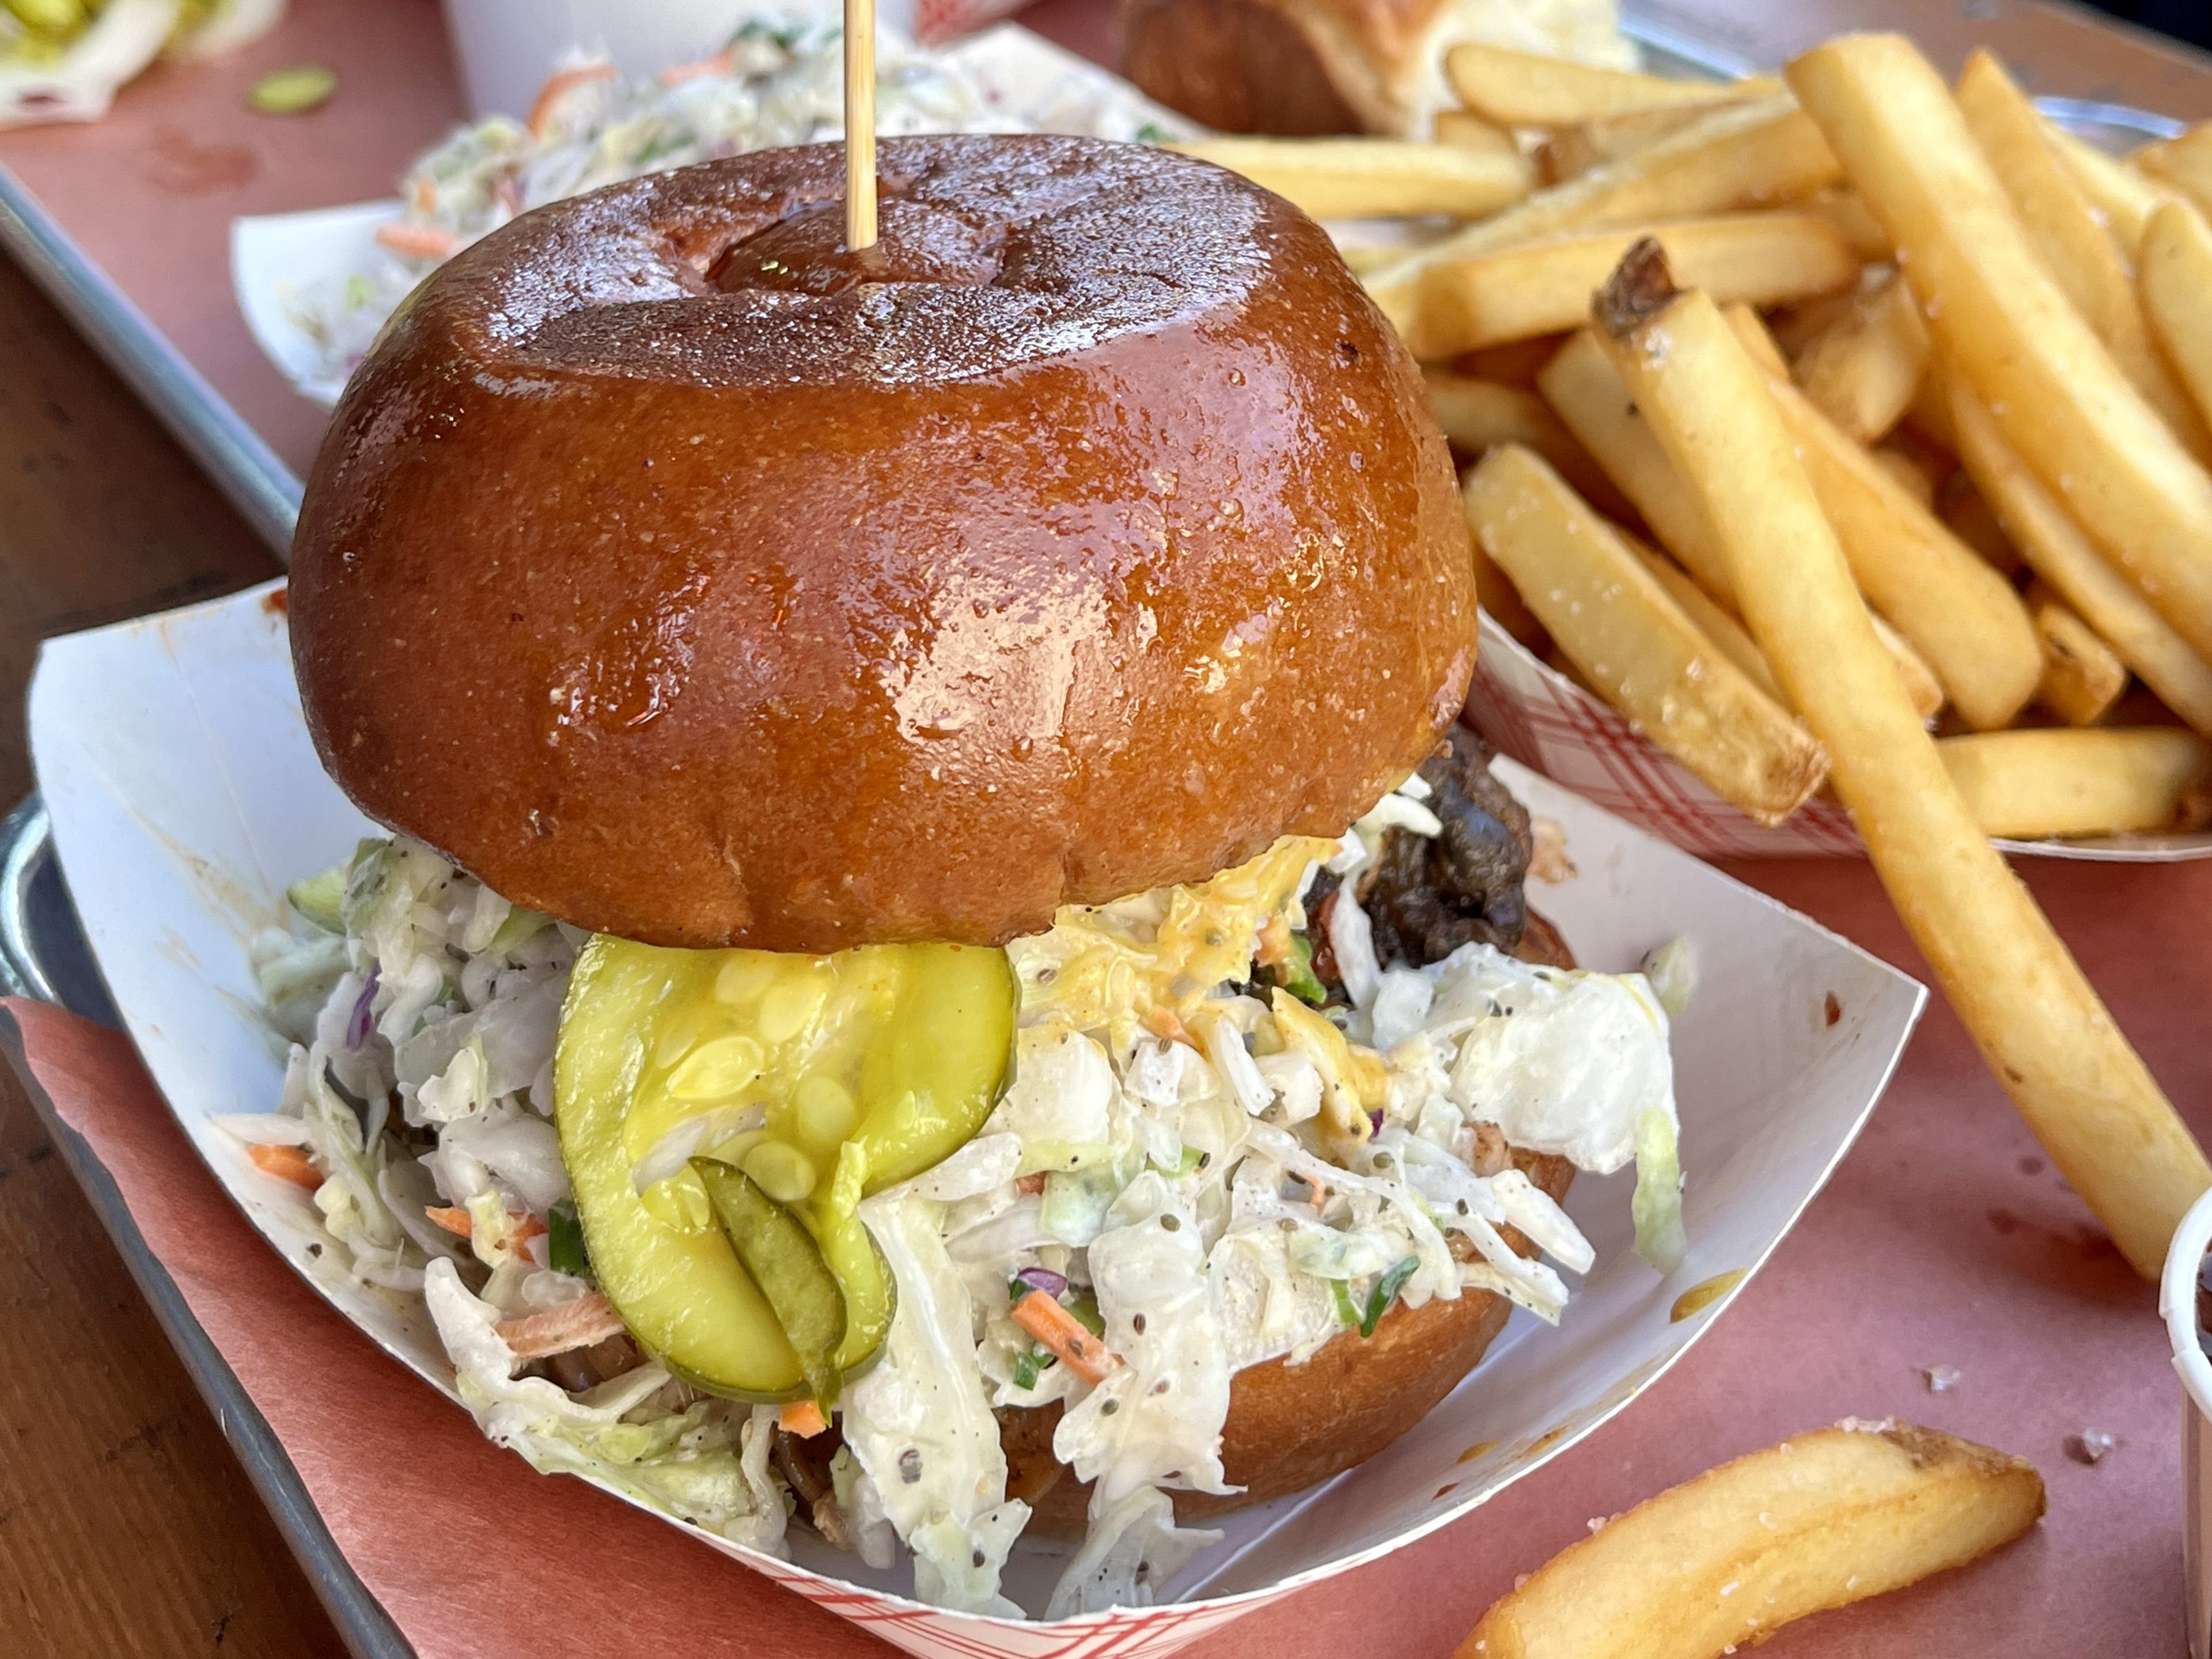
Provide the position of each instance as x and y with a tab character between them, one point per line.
820	1078
784	1262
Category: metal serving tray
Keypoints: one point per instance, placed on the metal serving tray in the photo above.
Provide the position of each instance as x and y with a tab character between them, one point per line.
43	953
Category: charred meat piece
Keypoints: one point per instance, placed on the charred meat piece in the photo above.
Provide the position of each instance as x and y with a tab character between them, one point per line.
805	1466
1427	897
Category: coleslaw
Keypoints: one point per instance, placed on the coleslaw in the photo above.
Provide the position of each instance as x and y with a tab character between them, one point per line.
64	60
1207	1171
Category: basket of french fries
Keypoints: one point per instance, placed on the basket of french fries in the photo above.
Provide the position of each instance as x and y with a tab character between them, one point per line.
2015	464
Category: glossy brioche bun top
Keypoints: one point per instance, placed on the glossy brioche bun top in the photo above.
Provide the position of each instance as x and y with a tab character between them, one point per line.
673	578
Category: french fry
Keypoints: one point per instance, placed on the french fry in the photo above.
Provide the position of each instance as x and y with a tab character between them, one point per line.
1862	369
2065	228
2124	196
1735	643
2050	1041
1544	287
1750	155
1959	614
1373	178
1922	689
1723	1561
1719	625
1479	415
1794	327
2174	271
1930	417
2058	551
1463	129
1632	644
1516	364
1531	89
2106	781
2082	676
2182	164
1570	151
1728	635
1933	459
1360	258
1999	319
1496	593
1907	471
1581	385
1842	208
1960	506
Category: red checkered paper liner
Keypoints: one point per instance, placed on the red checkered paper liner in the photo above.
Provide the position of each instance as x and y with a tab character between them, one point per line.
1528	710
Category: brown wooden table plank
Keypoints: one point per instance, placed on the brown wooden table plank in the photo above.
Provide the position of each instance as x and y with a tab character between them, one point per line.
126	1526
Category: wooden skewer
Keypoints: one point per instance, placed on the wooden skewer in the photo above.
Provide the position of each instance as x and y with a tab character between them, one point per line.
860	124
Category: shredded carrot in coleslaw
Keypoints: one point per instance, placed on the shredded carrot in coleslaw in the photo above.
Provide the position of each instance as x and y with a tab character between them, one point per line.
557	86
1059	1330
286	1163
418	241
584	1323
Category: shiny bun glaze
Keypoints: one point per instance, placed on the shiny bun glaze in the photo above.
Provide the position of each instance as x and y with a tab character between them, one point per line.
680	575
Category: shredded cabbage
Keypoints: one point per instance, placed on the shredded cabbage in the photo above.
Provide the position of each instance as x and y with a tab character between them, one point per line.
1210	1180
1563	1062
64	60
707	1464
1657	1205
919	1424
1131	1549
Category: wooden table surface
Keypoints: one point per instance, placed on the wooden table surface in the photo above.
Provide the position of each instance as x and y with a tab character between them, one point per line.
126	1526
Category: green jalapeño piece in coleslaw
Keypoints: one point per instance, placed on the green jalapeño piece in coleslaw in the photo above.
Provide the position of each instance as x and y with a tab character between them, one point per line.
1242	1120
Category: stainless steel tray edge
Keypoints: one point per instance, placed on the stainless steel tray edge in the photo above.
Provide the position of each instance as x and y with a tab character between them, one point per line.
244	467
40	952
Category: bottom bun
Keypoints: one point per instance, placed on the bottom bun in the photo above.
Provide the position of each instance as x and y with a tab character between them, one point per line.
1292	1426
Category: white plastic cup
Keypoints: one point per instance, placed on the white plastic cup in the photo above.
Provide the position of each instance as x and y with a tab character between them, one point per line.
2177	1301
507	47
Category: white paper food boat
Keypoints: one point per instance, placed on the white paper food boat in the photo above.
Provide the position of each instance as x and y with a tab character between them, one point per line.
185	795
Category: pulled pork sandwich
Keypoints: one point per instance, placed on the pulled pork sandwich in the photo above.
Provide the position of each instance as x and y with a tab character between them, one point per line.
942	968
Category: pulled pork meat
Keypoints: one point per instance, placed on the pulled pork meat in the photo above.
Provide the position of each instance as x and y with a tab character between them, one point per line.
1427	897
